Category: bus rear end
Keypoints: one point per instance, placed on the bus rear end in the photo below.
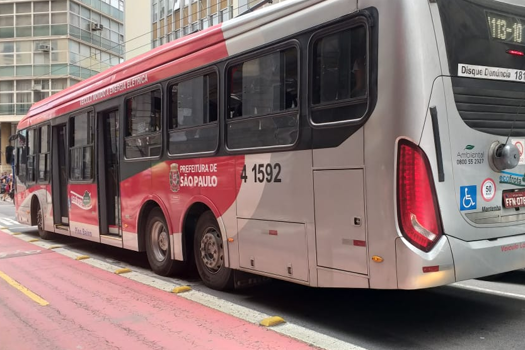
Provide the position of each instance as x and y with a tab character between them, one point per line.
461	190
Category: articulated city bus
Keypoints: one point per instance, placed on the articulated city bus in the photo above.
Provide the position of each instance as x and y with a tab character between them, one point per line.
337	143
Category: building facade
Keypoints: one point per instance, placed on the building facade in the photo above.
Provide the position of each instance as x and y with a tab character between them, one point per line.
48	45
173	19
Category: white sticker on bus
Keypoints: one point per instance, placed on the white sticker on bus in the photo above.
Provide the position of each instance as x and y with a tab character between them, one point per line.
494	73
520	144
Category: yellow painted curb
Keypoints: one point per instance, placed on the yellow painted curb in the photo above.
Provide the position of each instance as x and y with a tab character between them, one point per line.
82	257
121	271
272	321
55	247
33	240
181	289
16	233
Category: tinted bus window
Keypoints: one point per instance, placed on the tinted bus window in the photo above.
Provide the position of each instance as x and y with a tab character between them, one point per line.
193	115
31	156
143	118
43	157
81	147
340	76
21	161
258	90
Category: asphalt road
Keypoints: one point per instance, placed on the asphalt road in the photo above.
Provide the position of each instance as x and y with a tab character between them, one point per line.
476	314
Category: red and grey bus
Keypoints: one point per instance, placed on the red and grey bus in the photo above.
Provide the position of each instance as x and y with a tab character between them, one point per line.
337	143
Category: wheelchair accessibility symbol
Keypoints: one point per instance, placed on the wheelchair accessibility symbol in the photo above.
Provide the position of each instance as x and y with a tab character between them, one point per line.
467	199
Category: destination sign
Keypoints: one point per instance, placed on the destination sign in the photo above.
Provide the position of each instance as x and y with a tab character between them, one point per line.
505	28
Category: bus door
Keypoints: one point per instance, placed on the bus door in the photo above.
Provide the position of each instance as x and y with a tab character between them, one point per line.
109	176
59	177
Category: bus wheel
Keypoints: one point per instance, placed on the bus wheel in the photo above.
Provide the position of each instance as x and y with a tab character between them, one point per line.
209	254
158	246
40	224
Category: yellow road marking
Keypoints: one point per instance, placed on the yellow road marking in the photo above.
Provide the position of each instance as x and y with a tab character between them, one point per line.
33	240
23	289
82	257
121	271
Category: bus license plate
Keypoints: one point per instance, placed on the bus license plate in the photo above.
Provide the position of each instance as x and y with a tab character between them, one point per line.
514	199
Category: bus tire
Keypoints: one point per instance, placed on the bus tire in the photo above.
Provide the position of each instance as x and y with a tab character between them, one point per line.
209	254
158	247
40	224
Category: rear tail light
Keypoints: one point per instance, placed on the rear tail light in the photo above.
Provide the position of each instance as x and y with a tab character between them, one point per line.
417	205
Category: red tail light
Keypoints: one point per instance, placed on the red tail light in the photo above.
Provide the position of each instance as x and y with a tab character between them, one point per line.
418	209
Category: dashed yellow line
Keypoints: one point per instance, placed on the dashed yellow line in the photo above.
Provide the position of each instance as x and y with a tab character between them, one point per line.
121	271
23	289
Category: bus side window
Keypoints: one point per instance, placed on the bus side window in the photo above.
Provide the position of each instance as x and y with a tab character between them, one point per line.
193	115
21	163
340	74
81	163
259	89
43	156
143	137
31	156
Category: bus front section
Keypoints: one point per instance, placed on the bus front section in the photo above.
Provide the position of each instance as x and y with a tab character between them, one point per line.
461	189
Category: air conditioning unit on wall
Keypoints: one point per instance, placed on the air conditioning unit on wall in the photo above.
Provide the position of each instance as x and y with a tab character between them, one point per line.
44	47
96	27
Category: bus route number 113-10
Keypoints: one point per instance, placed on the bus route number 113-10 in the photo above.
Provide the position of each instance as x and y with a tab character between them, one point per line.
263	172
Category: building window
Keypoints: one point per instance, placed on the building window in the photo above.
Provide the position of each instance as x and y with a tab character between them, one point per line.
81	149
259	89
143	131
193	115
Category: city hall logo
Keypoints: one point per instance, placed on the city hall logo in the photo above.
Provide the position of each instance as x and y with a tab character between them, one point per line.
174	177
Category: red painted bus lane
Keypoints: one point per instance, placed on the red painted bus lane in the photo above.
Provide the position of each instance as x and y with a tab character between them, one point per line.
93	309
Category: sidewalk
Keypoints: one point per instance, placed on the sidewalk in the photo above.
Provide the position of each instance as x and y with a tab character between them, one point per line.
93	309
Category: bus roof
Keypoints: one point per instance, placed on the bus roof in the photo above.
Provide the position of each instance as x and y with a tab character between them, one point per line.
162	55
158	56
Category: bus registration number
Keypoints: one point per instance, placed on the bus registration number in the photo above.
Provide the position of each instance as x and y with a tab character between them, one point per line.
514	199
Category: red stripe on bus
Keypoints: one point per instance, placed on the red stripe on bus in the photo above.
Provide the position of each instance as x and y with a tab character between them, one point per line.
359	243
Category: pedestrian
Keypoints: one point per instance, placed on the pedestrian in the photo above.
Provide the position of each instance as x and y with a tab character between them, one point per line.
6	191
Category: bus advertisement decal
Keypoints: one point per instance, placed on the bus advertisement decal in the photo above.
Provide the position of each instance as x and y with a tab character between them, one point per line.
512	179
190	176
83	202
469	156
493	73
